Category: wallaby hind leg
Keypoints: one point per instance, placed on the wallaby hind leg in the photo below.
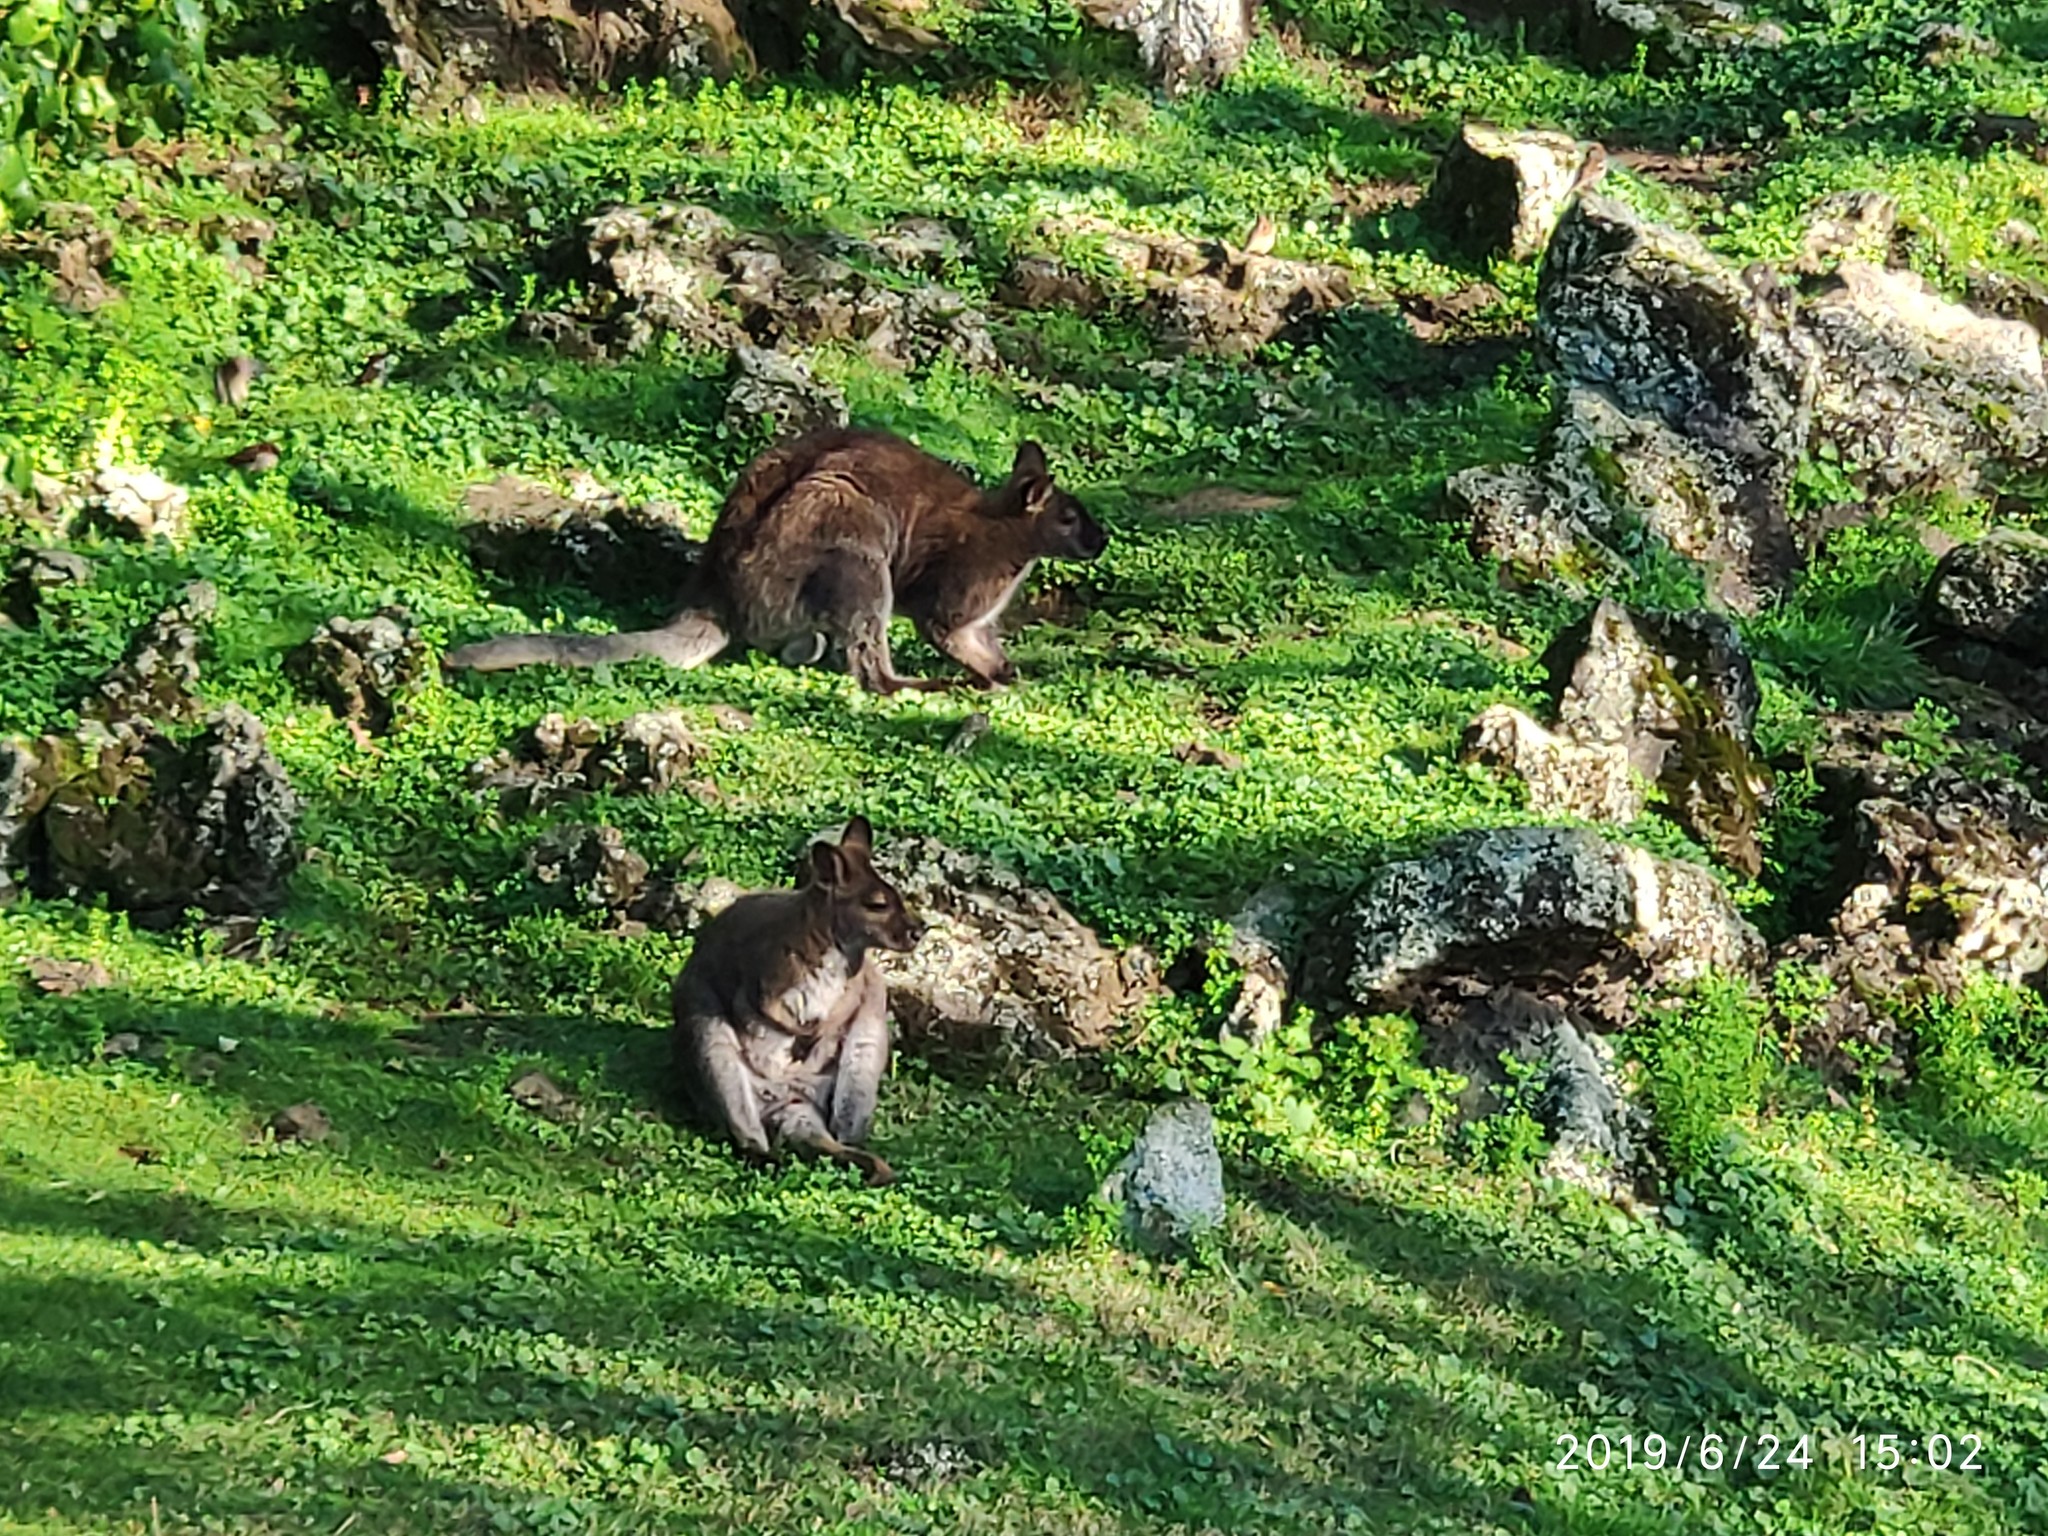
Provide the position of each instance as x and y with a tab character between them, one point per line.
800	1125
863	1062
717	1081
979	649
850	598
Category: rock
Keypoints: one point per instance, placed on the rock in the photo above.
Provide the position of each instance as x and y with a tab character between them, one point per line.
778	391
1685	399
24	791
2009	296
68	978
557	759
1560	913
1170	1184
1859	226
1596	1129
1242	303
133	503
1038	281
1564	776
540	1094
1690	395
588	867
660	265
157	827
1673	34
157	678
446	50
301	1122
1517	520
119	1046
1183	43
1914	392
1642	701
1995	591
622	553
362	668
1500	193
1262	939
1676	697
1941	875
34	572
1947	43
1004	967
969	735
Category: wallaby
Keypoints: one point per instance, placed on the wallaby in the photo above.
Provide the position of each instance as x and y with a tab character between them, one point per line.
825	538
782	1032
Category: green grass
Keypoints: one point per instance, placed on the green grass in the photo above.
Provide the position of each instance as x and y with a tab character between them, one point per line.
454	1316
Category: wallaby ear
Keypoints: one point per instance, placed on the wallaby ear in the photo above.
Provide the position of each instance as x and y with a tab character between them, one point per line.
827	867
858	834
1030	463
1039	496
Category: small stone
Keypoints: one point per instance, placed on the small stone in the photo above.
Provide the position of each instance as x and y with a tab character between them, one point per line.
1500	193
540	1094
68	978
301	1122
126	1043
969	735
1170	1184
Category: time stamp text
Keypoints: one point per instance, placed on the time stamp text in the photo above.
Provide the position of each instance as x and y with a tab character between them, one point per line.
1714	1451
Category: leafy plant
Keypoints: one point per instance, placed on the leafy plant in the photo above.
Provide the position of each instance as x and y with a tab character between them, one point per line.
1703	1065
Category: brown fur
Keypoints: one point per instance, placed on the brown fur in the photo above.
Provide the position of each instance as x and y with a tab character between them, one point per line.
781	1018
825	538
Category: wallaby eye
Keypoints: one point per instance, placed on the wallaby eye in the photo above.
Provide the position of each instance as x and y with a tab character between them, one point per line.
877	902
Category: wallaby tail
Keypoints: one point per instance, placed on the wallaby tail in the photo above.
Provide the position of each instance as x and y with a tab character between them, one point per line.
688	640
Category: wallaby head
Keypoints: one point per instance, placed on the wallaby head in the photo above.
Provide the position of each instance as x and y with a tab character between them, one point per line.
864	910
1063	527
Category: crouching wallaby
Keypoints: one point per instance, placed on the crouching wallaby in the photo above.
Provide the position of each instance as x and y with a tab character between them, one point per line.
782	1033
824	538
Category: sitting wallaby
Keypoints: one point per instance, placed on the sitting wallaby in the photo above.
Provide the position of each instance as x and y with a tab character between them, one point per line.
781	1033
826	537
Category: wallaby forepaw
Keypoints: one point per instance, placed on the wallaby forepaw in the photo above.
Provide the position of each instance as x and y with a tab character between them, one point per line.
879	1173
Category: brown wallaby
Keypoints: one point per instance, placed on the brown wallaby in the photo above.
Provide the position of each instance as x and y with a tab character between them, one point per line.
782	1032
823	539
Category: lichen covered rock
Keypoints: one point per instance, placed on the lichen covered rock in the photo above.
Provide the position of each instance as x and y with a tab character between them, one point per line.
1995	591
1562	913
449	49
588	868
157	827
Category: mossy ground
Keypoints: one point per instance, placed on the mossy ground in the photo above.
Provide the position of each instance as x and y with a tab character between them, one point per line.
457	1316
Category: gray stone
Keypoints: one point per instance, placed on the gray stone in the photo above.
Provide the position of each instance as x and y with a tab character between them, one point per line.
1914	392
158	827
1170	1184
34	572
1596	1128
560	759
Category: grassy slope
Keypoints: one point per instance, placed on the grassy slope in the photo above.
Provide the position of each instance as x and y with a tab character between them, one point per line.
457	1317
